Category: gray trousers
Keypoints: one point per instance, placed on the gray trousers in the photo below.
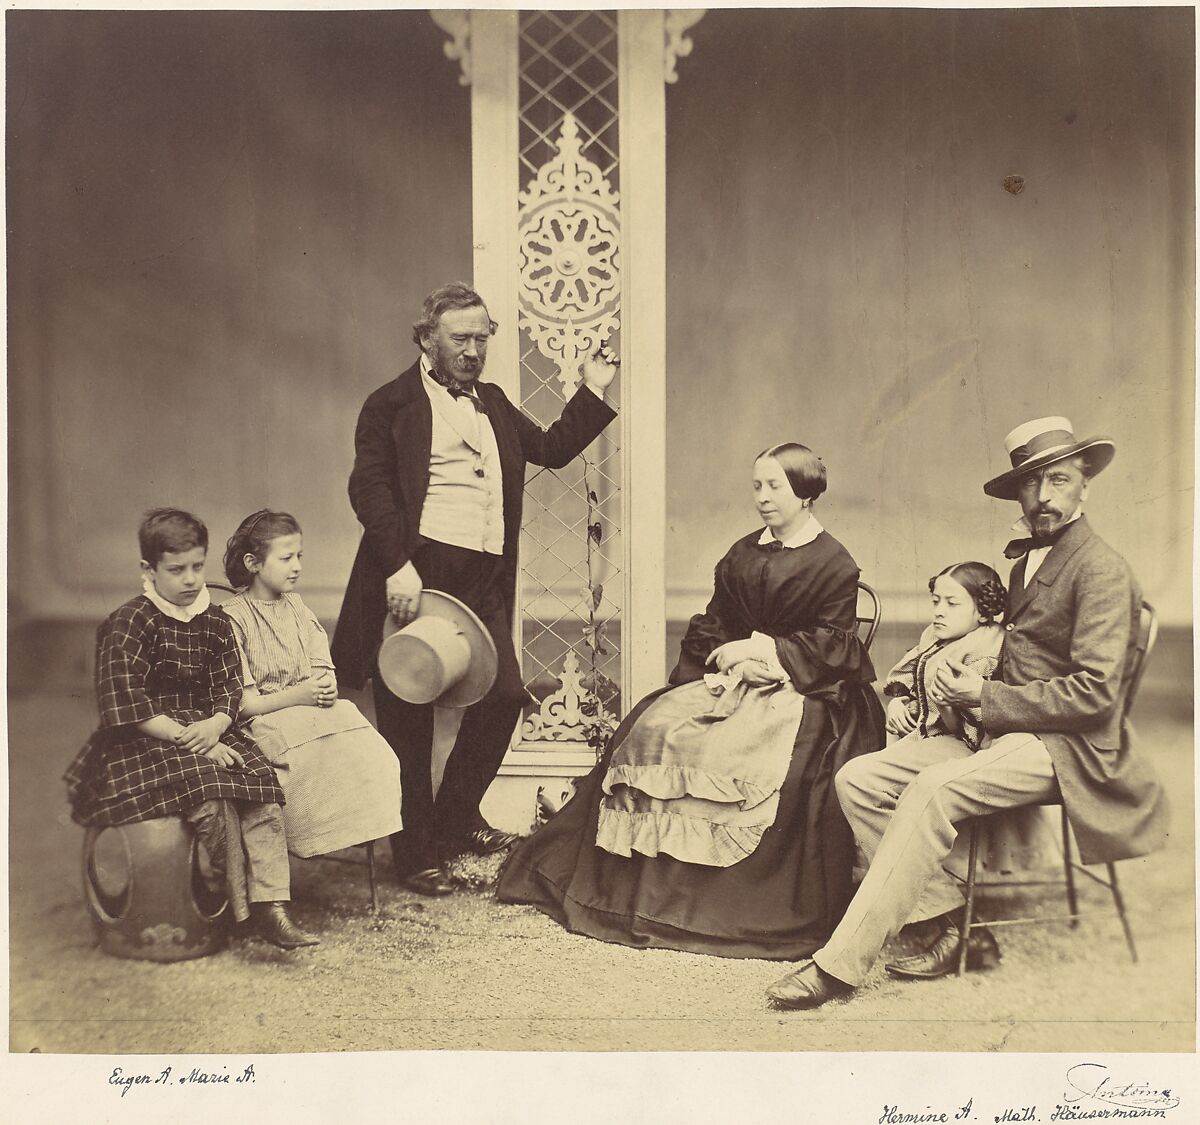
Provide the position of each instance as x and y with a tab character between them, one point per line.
904	804
247	850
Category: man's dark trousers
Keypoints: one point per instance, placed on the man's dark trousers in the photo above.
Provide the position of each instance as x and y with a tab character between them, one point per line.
477	579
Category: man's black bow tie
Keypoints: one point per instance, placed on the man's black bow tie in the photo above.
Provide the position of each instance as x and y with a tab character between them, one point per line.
773	545
457	392
1017	548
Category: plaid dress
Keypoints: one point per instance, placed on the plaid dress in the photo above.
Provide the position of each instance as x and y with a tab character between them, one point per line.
149	664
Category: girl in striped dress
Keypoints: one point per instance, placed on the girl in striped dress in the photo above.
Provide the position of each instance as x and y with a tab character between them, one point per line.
341	779
168	685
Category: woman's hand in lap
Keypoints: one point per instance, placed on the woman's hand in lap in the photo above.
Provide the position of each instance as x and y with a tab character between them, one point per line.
308	693
756	673
730	653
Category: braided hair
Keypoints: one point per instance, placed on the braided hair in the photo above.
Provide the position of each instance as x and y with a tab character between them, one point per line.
253	537
982	583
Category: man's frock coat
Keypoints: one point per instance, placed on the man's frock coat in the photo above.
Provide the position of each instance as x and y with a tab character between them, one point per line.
393	442
1064	676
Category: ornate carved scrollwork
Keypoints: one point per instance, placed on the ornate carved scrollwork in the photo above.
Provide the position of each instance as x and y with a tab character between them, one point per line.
569	241
676	22
457	24
561	717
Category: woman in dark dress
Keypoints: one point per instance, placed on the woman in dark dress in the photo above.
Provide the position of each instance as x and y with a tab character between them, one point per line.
719	830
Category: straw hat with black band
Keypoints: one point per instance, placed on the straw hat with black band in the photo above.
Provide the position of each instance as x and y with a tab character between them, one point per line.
1034	445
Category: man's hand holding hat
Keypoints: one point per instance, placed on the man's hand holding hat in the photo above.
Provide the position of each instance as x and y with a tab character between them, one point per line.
404	594
444	655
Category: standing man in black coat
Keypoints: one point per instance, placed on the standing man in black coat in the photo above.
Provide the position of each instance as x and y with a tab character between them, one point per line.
438	481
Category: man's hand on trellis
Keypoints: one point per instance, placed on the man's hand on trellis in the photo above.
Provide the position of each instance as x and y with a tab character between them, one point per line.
599	369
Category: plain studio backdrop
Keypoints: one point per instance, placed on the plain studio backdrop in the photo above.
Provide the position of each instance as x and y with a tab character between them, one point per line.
222	225
891	235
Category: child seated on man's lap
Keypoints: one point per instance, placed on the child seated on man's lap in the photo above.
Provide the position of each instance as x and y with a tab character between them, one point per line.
966	600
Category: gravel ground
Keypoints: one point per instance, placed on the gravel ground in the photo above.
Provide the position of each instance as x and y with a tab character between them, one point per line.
468	973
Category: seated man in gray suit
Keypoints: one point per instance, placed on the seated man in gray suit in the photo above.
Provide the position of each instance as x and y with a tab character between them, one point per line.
1053	714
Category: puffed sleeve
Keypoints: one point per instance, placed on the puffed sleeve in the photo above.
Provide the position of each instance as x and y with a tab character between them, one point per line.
827	649
122	665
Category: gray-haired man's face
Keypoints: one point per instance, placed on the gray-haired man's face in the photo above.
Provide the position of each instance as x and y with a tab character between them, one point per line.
457	347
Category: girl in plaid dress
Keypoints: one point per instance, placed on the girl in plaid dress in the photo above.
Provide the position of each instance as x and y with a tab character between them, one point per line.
168	686
340	777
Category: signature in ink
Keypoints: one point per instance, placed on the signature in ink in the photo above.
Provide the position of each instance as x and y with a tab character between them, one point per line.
1094	1081
127	1081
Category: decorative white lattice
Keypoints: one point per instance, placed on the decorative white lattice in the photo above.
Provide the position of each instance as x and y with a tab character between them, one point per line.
569	233
568	288
676	43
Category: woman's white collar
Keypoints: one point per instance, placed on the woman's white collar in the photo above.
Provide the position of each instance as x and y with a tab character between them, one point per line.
806	534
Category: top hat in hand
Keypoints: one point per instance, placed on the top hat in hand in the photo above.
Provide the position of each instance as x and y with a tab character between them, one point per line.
445	655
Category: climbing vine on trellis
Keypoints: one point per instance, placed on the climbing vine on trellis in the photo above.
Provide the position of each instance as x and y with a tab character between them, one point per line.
600	725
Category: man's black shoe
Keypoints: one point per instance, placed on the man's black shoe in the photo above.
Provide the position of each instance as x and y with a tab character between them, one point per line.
941	958
483	841
807	987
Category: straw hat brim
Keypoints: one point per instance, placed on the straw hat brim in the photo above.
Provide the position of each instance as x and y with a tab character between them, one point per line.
1007	485
477	681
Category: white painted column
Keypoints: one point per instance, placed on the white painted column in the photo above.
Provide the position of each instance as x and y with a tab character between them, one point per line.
494	186
489	57
643	347
490	49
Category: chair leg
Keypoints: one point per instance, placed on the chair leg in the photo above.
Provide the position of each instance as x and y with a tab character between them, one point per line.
969	911
1069	871
371	876
1119	902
